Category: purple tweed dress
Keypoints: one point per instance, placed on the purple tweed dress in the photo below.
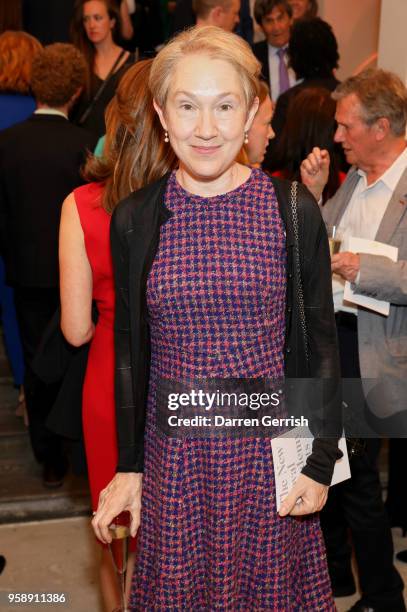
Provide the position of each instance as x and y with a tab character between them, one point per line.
210	536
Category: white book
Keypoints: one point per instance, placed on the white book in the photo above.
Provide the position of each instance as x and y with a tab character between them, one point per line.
290	452
372	247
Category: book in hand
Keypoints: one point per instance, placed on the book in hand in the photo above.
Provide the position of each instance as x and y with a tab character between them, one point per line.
290	452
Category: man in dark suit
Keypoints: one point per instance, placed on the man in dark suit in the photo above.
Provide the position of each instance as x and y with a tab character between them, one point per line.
275	19
40	160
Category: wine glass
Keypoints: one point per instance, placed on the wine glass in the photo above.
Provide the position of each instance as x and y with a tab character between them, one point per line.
119	547
334	238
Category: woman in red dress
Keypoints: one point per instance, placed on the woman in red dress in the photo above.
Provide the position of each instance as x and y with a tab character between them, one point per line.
134	139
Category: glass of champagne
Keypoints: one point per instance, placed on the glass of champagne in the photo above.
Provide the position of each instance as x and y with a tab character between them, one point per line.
119	547
334	238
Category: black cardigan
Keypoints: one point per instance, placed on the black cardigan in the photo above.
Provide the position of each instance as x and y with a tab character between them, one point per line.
135	230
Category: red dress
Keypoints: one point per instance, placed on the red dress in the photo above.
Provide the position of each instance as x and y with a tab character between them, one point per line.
98	408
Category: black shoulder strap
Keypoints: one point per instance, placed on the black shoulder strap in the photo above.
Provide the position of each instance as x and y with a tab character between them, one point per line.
101	89
288	200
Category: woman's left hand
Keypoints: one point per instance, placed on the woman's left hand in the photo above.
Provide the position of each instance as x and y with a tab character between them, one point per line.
306	496
123	493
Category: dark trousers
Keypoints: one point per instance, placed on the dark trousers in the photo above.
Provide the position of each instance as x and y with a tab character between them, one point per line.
396	502
357	504
35	307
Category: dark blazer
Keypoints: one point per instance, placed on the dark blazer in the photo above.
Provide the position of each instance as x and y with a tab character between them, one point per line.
40	161
260	50
245	26
56	361
135	230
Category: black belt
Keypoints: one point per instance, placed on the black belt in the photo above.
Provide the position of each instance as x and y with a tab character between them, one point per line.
347	319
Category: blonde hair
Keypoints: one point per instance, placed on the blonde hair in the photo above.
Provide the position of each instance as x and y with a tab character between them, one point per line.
134	153
17	51
217	44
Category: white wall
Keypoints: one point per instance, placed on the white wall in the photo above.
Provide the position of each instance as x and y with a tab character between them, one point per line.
393	37
356	24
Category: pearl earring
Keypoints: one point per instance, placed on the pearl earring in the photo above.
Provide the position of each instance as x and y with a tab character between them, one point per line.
166	139
246	137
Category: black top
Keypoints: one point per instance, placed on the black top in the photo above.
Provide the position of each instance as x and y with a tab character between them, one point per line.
135	230
95	123
40	162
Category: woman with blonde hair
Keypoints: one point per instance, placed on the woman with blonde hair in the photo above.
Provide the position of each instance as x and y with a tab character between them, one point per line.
133	155
208	297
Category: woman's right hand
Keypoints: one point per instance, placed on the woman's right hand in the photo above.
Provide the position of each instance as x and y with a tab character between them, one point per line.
315	171
123	493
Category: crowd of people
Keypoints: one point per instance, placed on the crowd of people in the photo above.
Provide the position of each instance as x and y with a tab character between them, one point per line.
164	223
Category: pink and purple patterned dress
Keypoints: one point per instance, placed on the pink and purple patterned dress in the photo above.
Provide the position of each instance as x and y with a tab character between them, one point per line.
210	536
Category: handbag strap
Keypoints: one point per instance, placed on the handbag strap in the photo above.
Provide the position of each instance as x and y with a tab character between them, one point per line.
300	291
100	90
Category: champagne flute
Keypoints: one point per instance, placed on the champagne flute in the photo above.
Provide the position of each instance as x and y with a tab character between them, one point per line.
334	238
119	548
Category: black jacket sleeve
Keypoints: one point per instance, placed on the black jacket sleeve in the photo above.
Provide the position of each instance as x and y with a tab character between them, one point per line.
130	424
323	344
